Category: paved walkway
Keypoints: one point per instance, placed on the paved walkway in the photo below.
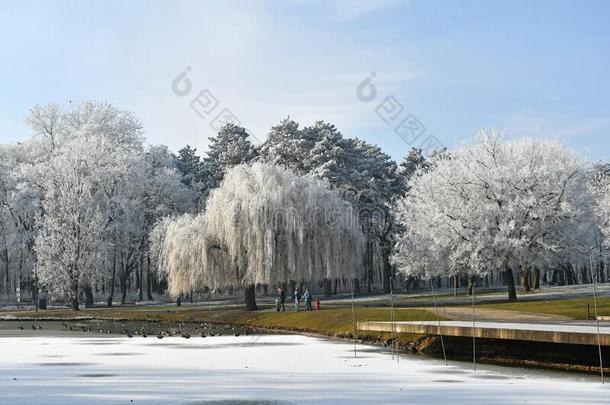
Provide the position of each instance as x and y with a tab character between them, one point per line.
444	296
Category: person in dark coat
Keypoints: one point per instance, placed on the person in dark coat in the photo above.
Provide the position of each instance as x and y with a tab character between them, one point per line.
307	298
281	300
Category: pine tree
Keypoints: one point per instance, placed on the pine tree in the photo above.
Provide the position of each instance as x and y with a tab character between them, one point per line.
412	161
190	166
229	148
287	146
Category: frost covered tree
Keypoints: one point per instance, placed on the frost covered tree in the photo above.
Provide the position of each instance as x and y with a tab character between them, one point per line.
495	205
157	188
20	199
601	188
145	187
47	123
263	225
95	150
67	244
86	178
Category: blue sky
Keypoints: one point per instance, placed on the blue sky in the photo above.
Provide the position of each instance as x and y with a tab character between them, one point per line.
527	68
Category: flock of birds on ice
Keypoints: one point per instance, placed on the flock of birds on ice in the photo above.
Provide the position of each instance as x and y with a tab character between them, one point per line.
203	330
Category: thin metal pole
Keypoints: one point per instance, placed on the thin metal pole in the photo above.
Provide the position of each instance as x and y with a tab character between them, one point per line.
393	330
438	319
474	344
395	345
36	287
599	344
353	318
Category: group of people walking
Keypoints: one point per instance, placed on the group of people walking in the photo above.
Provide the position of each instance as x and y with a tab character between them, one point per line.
307	298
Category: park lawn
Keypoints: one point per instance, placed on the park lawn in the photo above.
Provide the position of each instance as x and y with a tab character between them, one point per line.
573	307
444	294
336	320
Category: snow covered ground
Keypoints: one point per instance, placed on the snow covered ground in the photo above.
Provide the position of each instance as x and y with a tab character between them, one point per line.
260	370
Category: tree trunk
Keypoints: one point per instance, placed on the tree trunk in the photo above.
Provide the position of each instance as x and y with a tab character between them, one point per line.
35	290
123	280
140	278
89	302
524	278
123	283
571	275
408	283
510	283
149	295
74	303
387	273
6	261
369	262
556	277
584	276
112	280
536	280
250	295
327	287
471	281
123	293
73	294
7	280
599	266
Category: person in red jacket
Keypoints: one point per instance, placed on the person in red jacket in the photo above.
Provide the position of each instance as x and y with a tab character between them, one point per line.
317	304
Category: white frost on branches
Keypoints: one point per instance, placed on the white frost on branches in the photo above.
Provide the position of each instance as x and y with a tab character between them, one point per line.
68	240
494	205
265	225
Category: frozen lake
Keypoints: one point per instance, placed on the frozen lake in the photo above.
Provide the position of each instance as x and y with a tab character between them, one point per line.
260	370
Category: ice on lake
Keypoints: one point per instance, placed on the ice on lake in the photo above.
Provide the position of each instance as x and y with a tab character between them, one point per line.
260	370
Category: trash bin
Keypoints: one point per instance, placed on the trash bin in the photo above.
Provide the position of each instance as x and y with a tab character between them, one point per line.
42	303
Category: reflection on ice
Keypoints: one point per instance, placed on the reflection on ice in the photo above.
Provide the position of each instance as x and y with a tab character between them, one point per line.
239	402
65	364
448	381
96	375
495	377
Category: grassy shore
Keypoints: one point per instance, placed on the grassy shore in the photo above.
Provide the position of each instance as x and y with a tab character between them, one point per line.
333	322
575	308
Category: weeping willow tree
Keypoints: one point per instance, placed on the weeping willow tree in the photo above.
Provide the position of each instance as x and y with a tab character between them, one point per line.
263	225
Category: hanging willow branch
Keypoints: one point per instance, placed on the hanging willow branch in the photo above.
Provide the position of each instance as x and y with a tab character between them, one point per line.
265	225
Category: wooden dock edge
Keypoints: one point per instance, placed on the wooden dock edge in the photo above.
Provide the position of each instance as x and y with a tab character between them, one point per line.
578	338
